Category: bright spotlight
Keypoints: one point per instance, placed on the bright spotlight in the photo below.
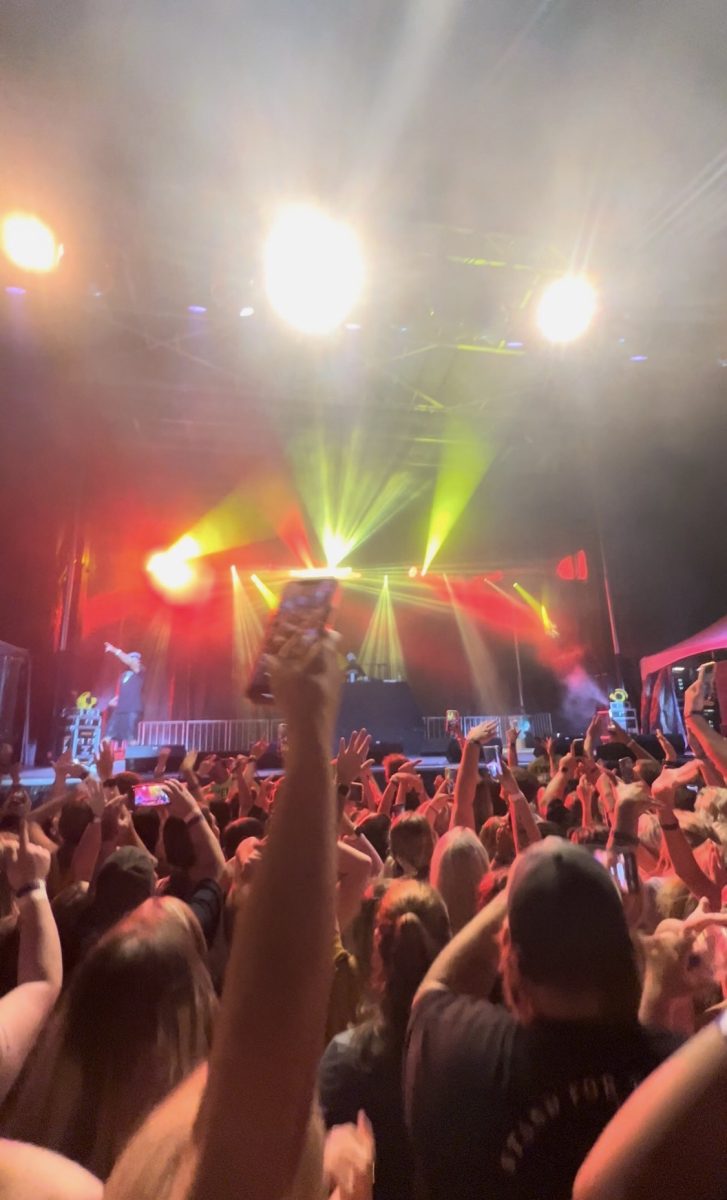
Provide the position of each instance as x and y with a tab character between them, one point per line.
412	572
169	572
335	547
29	243
314	269
566	308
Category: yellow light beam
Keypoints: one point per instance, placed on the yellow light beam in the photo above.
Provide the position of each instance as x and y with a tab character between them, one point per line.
381	645
488	690
347	494
247	629
464	461
269	597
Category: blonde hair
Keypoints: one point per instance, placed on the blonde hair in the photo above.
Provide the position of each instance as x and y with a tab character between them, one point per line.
458	864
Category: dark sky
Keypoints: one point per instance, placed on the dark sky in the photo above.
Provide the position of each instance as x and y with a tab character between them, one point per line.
158	134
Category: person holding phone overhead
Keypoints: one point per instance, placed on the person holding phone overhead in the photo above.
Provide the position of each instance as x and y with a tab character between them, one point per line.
128	705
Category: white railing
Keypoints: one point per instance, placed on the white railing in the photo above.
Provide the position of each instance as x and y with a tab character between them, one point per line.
237	734
241	733
541	724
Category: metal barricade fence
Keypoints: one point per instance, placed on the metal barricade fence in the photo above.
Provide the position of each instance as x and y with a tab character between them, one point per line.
241	733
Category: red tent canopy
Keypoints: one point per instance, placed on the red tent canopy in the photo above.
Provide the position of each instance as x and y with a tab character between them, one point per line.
712	638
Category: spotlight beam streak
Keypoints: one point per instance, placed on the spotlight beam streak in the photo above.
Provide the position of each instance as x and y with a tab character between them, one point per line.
464	461
381	644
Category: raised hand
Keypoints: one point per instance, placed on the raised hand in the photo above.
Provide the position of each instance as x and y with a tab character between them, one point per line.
352	758
348	1160
105	761
513	734
161	763
181	801
24	862
95	795
306	681
484	732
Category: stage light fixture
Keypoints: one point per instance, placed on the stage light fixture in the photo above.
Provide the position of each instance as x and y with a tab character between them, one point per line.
412	572
314	270
567	308
29	243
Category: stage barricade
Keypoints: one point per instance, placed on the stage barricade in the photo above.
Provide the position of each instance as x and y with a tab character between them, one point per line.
240	734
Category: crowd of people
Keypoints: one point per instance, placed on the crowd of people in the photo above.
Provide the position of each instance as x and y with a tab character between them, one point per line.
311	985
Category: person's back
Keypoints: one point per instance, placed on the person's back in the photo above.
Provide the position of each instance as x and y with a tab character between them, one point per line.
510	1110
506	1103
361	1069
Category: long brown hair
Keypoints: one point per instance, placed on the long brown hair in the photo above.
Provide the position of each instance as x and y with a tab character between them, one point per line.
135	1021
411	928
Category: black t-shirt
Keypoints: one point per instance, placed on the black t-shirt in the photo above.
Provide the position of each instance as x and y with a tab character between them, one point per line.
131	690
500	1111
354	1076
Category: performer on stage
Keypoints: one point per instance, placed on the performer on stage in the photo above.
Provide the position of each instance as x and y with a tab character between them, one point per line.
128	705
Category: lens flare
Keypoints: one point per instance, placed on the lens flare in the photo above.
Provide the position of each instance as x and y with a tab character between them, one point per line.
314	270
29	243
567	308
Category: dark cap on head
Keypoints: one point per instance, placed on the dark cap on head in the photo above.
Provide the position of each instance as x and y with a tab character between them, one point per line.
568	925
125	880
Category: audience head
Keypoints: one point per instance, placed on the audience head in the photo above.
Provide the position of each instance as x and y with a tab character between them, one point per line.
412	844
458	864
411	929
567	952
238	831
393	763
136	1019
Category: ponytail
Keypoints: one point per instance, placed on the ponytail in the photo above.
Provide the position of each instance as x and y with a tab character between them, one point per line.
412	929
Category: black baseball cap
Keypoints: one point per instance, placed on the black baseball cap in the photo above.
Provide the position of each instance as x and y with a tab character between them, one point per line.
568	925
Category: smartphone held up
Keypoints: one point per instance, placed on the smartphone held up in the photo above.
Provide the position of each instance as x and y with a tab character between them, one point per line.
305	608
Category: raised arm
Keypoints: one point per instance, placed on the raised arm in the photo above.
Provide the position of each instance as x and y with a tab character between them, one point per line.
512	736
133	664
525	827
465	785
667	1139
670	754
272	1019
682	857
469	963
24	1010
555	789
624	736
711	742
209	861
589	741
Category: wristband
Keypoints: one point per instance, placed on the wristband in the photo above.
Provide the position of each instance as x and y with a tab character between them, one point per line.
194	817
36	885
